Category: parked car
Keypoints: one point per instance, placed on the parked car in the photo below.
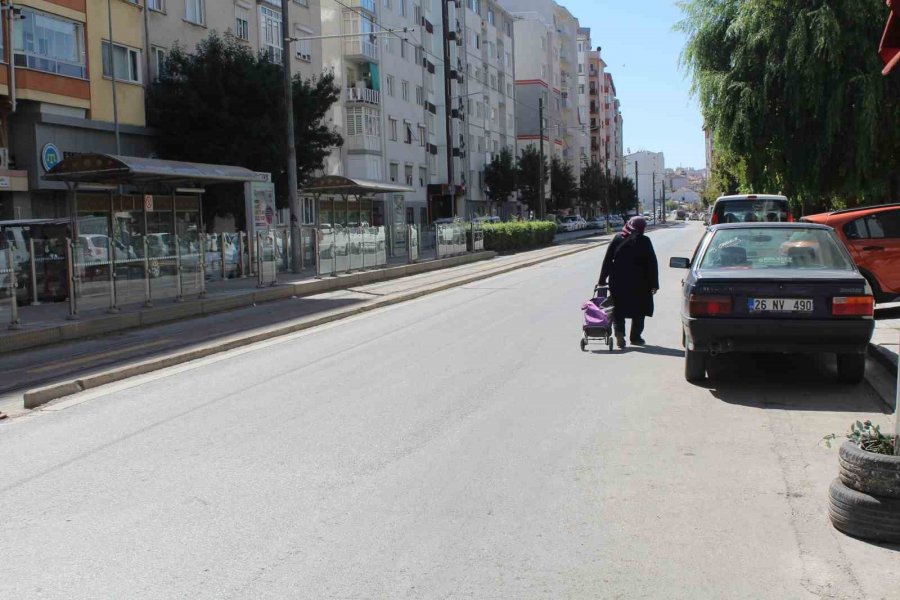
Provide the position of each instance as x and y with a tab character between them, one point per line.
616	221
567	224
872	235
598	222
753	287
751	208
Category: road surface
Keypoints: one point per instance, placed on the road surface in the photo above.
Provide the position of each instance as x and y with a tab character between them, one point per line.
457	446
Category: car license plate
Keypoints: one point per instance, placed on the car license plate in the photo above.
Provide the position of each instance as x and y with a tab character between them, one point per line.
797	305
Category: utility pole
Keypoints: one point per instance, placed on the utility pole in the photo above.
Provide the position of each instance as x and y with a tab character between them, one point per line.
293	193
636	188
112	78
541	206
664	201
607	190
653	194
448	111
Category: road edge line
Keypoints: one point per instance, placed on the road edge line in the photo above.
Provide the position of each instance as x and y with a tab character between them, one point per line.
39	396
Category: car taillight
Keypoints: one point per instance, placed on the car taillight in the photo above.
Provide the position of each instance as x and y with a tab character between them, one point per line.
715	219
856	306
790	218
705	306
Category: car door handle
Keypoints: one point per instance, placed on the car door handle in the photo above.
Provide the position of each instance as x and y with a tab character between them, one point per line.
873	248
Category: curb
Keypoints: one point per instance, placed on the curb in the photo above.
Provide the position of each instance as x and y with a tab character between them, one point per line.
37	397
884	357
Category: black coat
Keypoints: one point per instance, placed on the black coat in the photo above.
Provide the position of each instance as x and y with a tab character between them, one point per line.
632	270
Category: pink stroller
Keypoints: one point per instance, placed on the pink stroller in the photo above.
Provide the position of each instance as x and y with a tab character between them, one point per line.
598	319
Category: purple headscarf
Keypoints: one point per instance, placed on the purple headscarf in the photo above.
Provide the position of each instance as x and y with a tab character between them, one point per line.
634	224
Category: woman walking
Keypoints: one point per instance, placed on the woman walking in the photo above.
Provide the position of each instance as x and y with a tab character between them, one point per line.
631	268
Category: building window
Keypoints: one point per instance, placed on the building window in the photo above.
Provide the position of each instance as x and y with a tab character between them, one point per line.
423	135
270	33
389	84
408	172
193	11
403	48
420	95
392	129
125	63
491	17
408	136
423	176
404	90
304	50
157	5
47	43
387	4
241	23
158	61
402	8
395	172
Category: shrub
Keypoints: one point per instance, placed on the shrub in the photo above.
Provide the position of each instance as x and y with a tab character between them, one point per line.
518	235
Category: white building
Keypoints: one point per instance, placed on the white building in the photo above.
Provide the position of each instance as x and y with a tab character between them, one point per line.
648	171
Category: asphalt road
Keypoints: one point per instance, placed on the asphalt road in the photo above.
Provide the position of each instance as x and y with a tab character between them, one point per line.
458	446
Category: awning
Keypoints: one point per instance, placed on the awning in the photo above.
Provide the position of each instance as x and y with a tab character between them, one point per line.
335	184
889	49
111	169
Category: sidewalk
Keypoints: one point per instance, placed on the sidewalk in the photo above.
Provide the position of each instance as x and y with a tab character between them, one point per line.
81	364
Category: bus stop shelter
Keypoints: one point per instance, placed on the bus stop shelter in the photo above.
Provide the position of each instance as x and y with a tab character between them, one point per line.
344	201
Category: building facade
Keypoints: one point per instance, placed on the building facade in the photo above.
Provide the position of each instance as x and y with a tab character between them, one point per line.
648	171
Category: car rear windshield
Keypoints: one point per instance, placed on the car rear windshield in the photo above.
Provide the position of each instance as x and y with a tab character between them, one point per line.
752	211
774	248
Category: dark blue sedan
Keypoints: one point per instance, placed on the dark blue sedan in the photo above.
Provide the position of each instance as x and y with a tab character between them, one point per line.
774	287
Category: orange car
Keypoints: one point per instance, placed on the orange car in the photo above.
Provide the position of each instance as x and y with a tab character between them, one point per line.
872	235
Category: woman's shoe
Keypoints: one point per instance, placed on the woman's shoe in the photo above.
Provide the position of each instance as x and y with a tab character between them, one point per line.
638	341
620	341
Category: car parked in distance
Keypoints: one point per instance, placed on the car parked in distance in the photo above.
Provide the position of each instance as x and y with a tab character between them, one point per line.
598	222
751	208
872	235
774	288
565	224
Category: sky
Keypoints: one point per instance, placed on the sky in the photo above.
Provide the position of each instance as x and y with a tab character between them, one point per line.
642	53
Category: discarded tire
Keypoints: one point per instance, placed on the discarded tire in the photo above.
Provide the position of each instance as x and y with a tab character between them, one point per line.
870	473
862	515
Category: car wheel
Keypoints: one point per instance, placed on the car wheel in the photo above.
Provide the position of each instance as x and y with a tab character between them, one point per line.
851	367
694	365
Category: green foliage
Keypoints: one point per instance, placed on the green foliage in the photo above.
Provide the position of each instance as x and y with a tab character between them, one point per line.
528	167
868	437
794	96
518	235
500	176
593	190
623	196
563	185
223	104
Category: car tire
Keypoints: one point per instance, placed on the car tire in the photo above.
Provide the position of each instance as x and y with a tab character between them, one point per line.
851	367
694	365
869	473
862	515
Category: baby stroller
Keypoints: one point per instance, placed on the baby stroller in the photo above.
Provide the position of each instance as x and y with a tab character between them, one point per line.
598	319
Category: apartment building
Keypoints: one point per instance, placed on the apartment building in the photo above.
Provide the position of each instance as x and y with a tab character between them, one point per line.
648	171
613	127
61	102
185	23
585	44
487	95
546	58
599	151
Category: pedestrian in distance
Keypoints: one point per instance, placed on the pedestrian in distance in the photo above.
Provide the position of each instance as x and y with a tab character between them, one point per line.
631	268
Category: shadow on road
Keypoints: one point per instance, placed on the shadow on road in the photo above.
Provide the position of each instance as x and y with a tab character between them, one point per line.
787	382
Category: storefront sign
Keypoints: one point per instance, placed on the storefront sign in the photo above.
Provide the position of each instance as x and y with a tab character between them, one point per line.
50	156
4	183
148	203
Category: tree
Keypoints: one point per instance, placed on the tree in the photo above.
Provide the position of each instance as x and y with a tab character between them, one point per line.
563	185
623	196
528	168
794	96
223	104
500	177
593	190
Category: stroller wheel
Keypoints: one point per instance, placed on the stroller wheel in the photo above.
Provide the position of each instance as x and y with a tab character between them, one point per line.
583	345
609	342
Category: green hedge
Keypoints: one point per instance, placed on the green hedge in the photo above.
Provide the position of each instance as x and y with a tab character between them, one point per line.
518	235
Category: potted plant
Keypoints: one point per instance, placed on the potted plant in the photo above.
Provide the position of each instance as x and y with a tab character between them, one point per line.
865	498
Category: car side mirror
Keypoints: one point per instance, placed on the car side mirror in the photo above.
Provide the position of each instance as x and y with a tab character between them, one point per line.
679	263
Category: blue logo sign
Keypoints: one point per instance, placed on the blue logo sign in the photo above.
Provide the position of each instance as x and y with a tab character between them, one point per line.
50	156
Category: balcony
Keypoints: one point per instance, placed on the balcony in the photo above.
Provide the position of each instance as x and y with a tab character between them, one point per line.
362	95
366	5
363	143
361	49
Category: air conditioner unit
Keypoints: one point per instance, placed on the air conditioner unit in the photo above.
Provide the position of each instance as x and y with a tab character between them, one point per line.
4	158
